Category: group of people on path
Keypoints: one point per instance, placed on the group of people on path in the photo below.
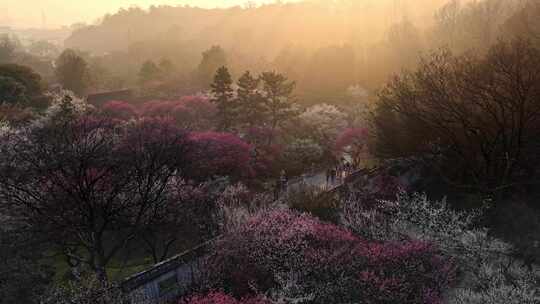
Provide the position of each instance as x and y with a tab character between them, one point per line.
334	176
338	173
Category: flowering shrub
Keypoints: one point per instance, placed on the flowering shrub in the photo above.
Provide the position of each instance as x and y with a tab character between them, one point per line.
200	104
219	154
488	271
237	204
119	110
324	123
194	112
16	115
221	298
404	272
260	135
87	291
368	209
157	108
332	264
268	153
64	105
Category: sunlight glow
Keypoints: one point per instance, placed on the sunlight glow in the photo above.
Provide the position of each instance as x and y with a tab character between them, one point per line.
53	13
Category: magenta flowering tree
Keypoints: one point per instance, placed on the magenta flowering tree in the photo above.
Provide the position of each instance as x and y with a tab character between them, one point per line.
157	108
199	103
190	112
117	109
353	142
202	112
266	151
329	263
404	272
219	154
260	135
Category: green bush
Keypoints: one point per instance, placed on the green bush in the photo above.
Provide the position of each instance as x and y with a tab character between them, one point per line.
313	200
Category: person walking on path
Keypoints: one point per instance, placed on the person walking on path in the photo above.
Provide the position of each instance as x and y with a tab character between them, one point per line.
284	180
328	176
339	172
333	174
349	169
277	189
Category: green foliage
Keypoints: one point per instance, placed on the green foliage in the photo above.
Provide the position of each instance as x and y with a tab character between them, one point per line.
312	200
223	98
251	109
8	46
212	60
11	91
301	154
25	76
72	72
149	72
278	98
167	67
23	277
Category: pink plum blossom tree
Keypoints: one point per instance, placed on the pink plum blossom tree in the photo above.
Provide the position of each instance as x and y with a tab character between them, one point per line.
219	154
330	263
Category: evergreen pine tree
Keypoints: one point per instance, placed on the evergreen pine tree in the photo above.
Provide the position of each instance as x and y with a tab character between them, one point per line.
149	71
251	108
223	98
277	91
72	72
213	58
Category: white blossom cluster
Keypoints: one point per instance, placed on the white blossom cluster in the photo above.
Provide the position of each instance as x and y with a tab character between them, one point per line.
489	273
88	291
62	101
237	204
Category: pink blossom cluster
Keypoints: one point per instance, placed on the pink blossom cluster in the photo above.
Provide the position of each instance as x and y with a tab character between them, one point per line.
219	154
209	153
192	111
332	263
267	151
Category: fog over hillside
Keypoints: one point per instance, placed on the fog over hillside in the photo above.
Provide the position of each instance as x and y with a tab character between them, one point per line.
29	13
306	24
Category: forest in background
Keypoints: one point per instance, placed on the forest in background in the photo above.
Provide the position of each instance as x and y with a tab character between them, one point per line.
325	46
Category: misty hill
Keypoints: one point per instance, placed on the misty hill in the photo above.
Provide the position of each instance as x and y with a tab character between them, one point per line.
264	30
325	46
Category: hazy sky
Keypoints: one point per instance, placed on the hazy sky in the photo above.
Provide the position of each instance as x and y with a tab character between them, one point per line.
28	13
